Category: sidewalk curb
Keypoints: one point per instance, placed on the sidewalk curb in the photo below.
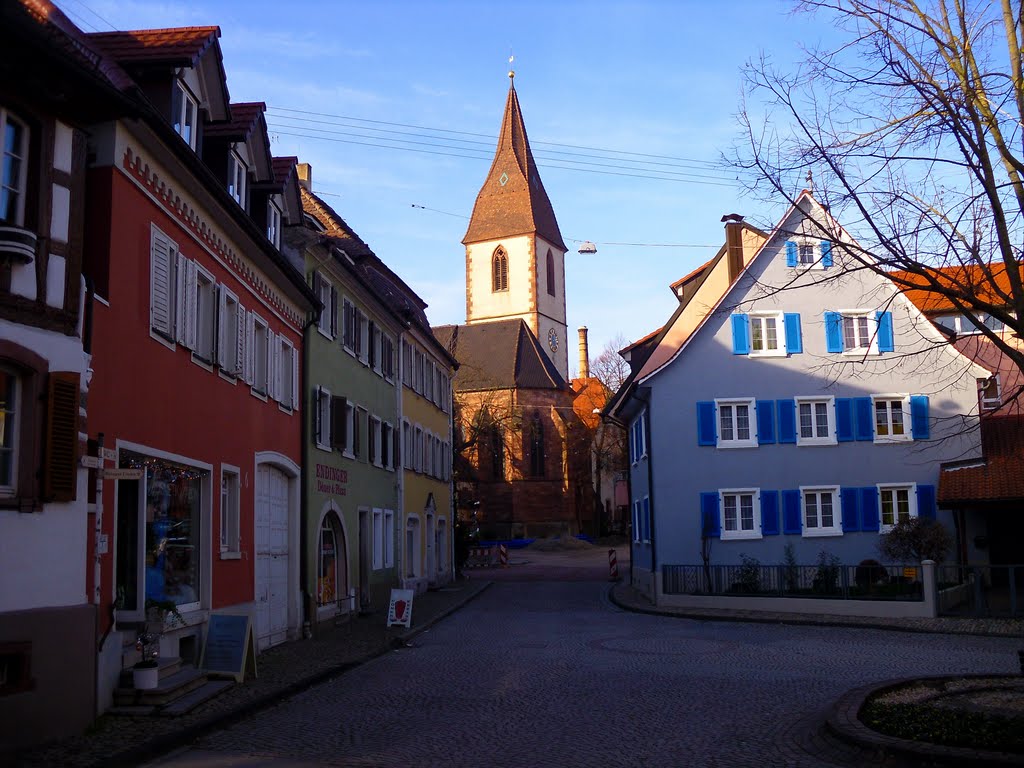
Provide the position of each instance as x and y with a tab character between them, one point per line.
794	620
168	742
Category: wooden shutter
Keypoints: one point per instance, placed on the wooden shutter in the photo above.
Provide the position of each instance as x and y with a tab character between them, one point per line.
295	377
223	343
844	420
826	254
239	362
355	432
191	303
886	343
396	456
791	522
339	422
770	513
161	281
920	428
765	422
864	421
333	309
706	428
787	420
833	332
850	500
740	335
711	524
317	416
869	511
791	253
250	348
794	338
926	506
60	476
180	291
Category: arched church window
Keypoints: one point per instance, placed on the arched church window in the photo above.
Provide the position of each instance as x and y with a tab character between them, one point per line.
551	273
536	443
499	270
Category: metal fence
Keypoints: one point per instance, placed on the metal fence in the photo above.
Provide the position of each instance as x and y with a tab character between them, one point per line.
826	581
980	590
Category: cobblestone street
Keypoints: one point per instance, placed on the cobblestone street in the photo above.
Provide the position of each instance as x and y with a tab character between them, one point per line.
552	674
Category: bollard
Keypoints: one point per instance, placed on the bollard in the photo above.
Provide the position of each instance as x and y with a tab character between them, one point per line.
613	566
503	555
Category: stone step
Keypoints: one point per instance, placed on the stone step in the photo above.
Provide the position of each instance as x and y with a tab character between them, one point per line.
170	688
167	666
193	699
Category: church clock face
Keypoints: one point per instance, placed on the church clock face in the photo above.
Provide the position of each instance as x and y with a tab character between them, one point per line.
553	340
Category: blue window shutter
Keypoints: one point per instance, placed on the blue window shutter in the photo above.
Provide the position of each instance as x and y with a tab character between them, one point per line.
707	434
647	519
833	332
826	253
794	339
770	513
740	335
790	253
709	514
926	506
869	515
864	411
791	522
850	499
765	422
886	343
920	428
844	419
787	421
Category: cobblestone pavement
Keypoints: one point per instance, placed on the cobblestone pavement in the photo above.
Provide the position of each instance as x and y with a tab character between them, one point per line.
553	674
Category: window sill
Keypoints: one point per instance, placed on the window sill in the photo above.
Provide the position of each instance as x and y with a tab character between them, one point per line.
162	339
258	394
737	444
821	534
768	353
230	555
325	334
232	380
285	409
812	442
324	448
202	362
890	439
860	352
740	536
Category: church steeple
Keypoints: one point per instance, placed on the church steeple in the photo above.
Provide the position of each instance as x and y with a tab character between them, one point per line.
512	200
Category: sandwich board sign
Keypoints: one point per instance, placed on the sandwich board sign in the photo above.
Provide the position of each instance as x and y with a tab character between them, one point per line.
229	648
400	610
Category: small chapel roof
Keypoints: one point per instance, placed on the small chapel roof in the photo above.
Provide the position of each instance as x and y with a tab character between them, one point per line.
512	200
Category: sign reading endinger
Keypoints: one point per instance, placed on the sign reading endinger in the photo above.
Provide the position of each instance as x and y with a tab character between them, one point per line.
229	648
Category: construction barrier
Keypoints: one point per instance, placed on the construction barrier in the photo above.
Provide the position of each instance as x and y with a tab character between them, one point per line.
613	566
481	557
503	555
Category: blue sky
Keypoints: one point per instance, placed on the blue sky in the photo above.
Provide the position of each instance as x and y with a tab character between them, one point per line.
660	78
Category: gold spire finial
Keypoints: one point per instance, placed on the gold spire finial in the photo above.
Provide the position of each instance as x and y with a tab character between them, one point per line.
511	72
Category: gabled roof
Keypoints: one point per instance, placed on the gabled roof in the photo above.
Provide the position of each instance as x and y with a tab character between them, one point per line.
245	118
175	47
990	284
500	355
690	278
512	200
591	394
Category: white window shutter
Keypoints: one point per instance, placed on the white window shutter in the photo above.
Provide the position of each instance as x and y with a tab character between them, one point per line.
180	304
160	283
222	324
272	354
239	369
295	378
191	303
333	309
318	420
250	348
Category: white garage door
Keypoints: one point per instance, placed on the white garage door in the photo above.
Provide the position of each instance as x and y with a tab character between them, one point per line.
271	557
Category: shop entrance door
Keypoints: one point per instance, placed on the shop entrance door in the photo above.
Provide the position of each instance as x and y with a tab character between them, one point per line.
271	557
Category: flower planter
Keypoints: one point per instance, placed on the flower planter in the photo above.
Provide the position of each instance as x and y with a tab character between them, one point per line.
146	678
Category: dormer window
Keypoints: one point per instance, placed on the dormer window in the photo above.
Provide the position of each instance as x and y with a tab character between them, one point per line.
14	166
237	172
184	110
274	224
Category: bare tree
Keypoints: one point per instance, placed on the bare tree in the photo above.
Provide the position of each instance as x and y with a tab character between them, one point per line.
913	128
609	367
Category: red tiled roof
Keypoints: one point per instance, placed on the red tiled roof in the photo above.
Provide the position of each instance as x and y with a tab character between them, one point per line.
1000	479
641	340
696	273
244	118
990	285
180	46
283	167
518	205
591	394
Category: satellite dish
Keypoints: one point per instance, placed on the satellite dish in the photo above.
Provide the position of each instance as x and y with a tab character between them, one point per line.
588	248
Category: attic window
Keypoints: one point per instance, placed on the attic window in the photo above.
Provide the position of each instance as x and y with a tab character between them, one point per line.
274	224
184	111
237	173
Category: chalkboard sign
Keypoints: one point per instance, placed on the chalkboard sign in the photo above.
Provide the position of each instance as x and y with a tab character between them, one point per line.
229	648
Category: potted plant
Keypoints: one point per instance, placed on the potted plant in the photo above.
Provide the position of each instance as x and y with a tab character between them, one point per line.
146	672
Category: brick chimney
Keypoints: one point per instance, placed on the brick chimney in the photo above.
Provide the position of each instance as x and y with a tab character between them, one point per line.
584	354
305	173
734	244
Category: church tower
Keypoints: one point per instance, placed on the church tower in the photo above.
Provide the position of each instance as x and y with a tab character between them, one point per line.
515	256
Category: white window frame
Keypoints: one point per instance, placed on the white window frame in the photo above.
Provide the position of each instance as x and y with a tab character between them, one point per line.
387	357
408	452
637	530
204	315
378	539
322	435
287	374
350	428
871	346
904	399
990	403
323	323
892	488
417	441
230	340
261	373
739	532
238	176
18	185
761	318
638	438
184	100
830	413
274	223
230	512
735	442
362	337
374	437
961	326
163	314
836	529
389	538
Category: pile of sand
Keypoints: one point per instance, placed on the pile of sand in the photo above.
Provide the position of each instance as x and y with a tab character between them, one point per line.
559	544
